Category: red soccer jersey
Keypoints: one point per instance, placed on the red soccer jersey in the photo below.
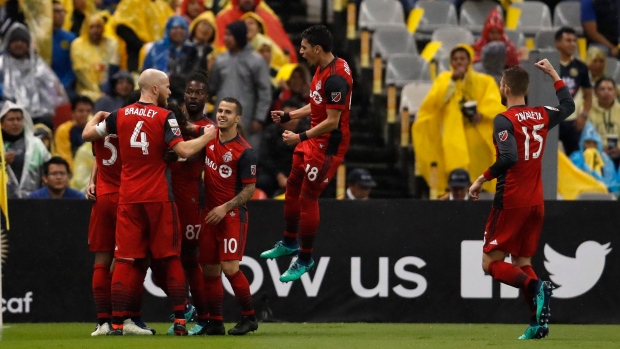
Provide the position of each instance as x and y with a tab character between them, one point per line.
108	165
331	88
145	131
227	167
521	186
186	176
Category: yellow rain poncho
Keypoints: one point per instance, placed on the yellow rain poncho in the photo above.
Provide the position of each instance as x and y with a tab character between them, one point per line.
442	134
147	19
91	62
278	57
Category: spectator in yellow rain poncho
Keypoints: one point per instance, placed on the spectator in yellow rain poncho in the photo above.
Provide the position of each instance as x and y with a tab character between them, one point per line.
448	133
95	59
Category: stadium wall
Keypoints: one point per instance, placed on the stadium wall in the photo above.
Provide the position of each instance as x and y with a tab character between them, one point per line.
377	261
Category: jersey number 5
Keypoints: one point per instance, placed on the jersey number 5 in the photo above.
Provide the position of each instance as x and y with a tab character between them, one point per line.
134	143
538	138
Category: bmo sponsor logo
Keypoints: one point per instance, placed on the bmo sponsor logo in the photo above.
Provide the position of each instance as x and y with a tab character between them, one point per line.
17	305
210	163
389	282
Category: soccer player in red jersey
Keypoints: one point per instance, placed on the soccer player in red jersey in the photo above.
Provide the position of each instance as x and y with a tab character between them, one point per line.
516	219
188	189
147	220
230	177
318	152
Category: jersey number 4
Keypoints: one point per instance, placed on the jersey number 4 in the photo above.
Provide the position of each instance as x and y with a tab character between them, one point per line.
142	143
538	138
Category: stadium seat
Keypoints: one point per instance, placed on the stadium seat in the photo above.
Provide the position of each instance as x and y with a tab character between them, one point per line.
596	197
388	41
612	69
568	14
474	13
535	16
403	68
437	14
545	39
450	37
381	13
517	37
413	94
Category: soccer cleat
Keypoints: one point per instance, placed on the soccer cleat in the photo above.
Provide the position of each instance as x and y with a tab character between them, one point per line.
215	328
200	329
247	324
280	250
101	329
179	328
130	328
115	332
535	332
296	271
190	315
138	321
541	300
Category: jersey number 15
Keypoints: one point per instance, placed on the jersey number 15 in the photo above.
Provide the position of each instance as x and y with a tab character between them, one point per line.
538	138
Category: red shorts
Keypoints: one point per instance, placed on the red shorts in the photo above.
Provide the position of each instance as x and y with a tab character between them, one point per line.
514	230
148	226
102	226
318	168
226	240
191	217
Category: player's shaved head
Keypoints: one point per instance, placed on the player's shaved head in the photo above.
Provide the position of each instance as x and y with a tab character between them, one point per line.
150	78
154	87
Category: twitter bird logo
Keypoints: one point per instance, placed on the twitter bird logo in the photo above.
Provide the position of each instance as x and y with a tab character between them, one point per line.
578	275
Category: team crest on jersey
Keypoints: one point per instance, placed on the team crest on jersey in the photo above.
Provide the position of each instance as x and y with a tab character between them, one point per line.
227	157
253	170
316	97
318	85
503	136
176	131
225	171
336	97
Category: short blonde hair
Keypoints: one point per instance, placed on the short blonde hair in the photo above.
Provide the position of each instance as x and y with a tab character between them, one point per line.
594	53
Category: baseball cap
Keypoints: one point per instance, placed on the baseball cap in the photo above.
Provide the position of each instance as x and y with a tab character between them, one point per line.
362	177
459	178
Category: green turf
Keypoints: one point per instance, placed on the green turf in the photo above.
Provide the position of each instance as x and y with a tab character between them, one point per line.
322	336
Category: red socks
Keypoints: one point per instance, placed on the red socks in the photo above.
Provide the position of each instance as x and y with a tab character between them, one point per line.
509	274
215	296
175	280
102	289
241	288
121	282
292	207
310	218
527	295
193	271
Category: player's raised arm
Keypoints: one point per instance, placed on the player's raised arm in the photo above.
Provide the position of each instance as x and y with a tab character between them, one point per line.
567	105
280	117
96	127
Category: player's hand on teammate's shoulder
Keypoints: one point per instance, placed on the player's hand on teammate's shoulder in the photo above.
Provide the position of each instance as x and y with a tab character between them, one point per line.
290	138
209	131
216	215
170	156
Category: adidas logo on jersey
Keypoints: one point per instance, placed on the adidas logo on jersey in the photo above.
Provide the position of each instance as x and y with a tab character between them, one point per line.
494	242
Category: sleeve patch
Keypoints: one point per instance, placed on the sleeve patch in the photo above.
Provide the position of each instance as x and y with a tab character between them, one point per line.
503	135
552	108
173	123
176	131
253	170
336	96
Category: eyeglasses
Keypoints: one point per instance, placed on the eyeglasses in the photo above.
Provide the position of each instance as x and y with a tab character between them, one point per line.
57	173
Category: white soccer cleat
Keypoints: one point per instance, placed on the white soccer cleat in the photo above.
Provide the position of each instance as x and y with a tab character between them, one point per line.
131	329
101	330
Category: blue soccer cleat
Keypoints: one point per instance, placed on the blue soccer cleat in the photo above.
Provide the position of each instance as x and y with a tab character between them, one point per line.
280	250
535	332
296	271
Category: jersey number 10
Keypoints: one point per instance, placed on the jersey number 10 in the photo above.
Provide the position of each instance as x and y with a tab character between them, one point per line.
538	138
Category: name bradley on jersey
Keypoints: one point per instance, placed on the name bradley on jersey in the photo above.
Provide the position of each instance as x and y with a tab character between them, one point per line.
149	113
524	115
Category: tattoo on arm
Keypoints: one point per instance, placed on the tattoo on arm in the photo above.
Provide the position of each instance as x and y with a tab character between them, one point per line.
244	195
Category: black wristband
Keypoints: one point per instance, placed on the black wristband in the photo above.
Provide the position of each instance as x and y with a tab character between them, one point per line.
303	136
285	118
